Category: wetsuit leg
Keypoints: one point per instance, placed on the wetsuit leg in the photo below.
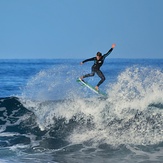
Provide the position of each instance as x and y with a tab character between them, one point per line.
101	75
91	74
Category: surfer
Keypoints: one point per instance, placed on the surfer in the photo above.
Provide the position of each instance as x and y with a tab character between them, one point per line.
98	62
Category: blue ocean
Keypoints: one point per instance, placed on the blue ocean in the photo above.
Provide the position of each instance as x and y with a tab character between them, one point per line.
48	117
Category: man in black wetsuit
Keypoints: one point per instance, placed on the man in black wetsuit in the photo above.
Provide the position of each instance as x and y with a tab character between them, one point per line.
98	62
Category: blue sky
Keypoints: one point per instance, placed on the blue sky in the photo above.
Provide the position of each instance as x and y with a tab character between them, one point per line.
80	28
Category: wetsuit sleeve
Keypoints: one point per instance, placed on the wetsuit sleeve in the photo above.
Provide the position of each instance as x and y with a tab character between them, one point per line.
105	55
90	59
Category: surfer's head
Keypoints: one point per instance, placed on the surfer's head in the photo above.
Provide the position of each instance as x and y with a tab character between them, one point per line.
98	55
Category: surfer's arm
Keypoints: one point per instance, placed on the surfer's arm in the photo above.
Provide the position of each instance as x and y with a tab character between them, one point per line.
90	59
111	49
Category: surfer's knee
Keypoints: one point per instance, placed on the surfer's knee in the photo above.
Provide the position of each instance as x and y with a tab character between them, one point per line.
103	78
92	74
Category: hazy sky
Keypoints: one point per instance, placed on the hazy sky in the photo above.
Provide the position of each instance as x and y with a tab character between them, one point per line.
80	28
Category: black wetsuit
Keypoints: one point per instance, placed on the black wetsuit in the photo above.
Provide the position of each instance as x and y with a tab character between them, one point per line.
96	67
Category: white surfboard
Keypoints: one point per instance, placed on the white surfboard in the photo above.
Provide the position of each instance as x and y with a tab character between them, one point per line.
91	87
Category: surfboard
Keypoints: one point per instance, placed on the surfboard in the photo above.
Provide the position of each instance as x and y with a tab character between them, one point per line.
90	87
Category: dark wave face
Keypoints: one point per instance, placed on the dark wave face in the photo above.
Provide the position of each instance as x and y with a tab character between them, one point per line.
16	122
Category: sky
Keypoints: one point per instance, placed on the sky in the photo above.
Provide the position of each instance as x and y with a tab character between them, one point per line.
79	28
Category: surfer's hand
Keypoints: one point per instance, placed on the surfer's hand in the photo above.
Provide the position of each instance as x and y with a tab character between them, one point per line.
81	63
113	45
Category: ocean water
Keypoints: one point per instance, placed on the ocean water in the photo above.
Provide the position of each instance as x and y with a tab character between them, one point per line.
47	117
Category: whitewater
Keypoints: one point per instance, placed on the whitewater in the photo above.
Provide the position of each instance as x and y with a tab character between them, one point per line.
46	116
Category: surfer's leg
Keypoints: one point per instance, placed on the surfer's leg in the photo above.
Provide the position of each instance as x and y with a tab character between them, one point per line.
101	75
89	75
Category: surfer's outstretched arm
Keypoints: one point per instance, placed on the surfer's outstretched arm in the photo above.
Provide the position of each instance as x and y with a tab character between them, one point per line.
105	55
90	59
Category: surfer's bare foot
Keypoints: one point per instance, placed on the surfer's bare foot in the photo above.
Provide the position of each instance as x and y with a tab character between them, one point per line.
96	88
81	78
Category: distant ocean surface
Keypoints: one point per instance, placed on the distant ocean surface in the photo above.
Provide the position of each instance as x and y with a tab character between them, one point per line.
47	117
